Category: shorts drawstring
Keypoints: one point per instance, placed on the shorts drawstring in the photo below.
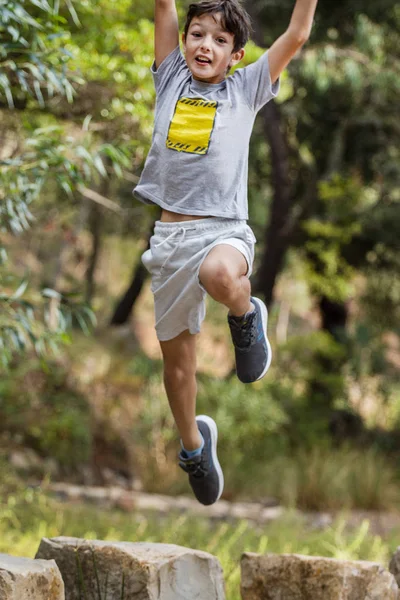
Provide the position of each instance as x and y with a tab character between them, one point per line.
181	230
179	297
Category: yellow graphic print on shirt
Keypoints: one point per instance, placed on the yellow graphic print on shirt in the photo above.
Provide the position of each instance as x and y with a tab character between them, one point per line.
192	125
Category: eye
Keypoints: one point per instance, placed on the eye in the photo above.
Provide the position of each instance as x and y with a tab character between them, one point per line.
196	34
221	40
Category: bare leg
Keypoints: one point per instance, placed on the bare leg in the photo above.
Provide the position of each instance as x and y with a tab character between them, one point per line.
223	275
180	384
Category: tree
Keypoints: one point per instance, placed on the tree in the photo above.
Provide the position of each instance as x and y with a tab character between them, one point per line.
334	155
34	71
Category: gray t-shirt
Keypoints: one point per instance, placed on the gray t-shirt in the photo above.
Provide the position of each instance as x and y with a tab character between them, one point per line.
197	164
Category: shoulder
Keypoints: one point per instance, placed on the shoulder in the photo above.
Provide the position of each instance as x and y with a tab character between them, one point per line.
174	61
172	70
254	83
254	68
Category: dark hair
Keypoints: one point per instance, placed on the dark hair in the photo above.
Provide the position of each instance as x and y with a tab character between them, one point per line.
234	18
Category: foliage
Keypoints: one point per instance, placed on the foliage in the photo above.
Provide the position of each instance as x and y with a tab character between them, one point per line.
347	128
44	412
24	325
115	58
316	478
303	361
49	153
341	130
70	165
33	59
274	441
327	272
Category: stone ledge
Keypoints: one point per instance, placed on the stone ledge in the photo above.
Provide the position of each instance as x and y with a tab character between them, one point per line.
129	501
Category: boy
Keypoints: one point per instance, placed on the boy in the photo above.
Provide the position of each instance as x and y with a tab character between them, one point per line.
196	171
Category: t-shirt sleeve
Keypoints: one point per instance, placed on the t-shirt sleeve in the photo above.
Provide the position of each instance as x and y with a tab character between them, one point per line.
255	83
171	67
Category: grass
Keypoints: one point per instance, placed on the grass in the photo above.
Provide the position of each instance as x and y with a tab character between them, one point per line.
28	515
332	479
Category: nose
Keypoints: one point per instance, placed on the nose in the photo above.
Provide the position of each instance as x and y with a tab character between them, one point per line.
206	43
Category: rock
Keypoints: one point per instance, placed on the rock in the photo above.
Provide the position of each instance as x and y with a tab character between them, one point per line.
295	577
141	571
27	579
136	484
25	460
50	467
115	496
86	475
125	503
112	478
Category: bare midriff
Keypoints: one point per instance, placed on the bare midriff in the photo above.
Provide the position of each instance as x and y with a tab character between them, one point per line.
171	217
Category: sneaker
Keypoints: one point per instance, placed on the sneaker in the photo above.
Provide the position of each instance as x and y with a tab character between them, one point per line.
205	473
252	348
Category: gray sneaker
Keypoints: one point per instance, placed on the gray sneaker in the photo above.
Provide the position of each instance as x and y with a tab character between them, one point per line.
252	348
205	473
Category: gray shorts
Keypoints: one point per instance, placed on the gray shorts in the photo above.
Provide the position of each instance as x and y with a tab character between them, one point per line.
176	253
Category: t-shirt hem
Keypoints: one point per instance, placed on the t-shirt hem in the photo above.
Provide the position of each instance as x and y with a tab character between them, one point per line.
150	199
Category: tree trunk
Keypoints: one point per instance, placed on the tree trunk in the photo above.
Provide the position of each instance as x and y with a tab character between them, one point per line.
334	317
327	383
95	222
95	226
278	230
125	305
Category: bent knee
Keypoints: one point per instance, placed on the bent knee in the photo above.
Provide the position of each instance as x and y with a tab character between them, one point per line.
218	279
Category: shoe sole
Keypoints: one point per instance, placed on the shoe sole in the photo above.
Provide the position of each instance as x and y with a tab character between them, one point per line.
214	438
264	319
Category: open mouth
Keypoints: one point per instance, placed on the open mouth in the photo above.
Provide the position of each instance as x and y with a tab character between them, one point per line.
202	60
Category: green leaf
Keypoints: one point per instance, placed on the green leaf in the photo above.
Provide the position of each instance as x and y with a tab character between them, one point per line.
98	163
20	291
15	34
39	95
86	122
49	293
73	12
43	5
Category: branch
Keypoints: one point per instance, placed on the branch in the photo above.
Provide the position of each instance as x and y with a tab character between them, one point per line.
130	177
99	199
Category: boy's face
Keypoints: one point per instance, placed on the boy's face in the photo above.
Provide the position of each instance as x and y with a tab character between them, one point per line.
209	49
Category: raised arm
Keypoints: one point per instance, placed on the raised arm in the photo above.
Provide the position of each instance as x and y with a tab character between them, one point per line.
285	47
166	36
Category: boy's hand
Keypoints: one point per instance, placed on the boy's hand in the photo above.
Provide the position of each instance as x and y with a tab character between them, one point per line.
166	36
298	32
